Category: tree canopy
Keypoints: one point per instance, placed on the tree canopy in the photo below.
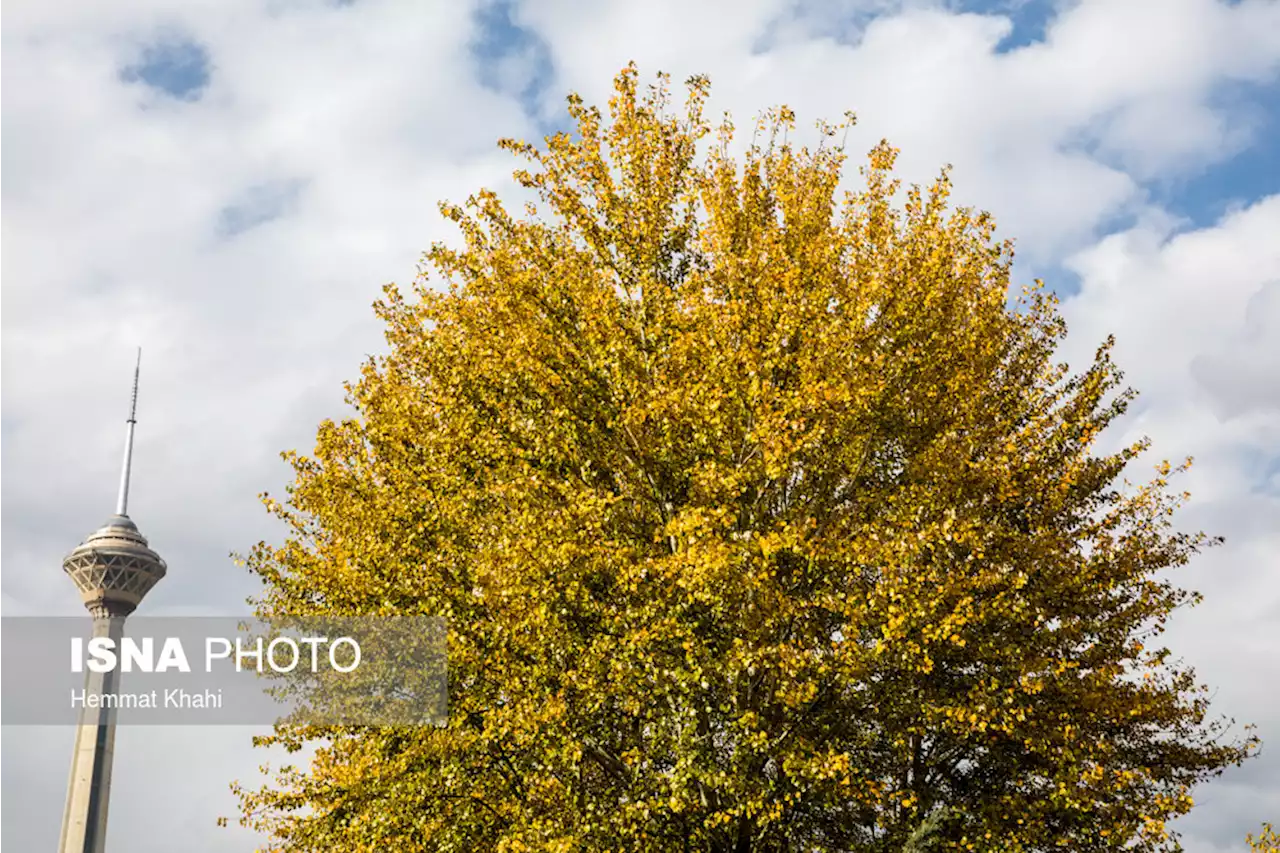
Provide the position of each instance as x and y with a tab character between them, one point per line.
1266	842
763	520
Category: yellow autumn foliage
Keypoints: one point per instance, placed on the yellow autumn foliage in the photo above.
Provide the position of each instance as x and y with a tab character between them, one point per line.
762	518
1266	842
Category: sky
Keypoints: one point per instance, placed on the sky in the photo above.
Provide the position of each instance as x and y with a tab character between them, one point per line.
229	184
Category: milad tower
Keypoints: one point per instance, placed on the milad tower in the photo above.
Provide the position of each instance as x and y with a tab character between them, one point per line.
113	569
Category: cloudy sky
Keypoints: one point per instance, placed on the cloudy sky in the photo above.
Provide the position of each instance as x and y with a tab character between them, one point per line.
228	183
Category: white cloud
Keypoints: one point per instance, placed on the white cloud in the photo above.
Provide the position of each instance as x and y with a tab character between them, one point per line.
1196	313
1240	374
1195	320
113	195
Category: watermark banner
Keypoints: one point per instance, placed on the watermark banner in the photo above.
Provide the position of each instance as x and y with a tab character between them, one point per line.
350	671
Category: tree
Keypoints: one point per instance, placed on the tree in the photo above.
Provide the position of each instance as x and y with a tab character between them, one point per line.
763	522
1266	842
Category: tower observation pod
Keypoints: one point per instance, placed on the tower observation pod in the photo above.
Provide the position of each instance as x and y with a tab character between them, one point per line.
114	568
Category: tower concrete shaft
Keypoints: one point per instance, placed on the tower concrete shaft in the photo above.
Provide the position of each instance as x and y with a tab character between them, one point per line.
84	820
113	569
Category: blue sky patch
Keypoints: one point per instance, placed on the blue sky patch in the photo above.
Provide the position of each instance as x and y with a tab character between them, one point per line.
1030	19
176	67
846	23
510	58
1239	180
257	206
1262	466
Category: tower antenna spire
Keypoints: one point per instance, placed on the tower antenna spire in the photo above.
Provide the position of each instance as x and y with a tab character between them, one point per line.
122	503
